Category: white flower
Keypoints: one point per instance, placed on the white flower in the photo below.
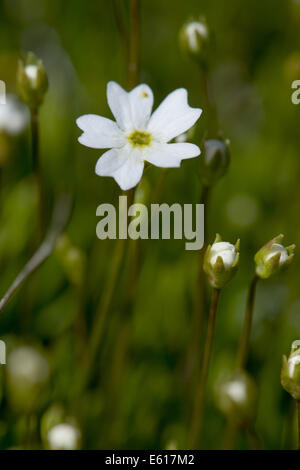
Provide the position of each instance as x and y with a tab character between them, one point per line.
278	248
64	436
226	251
28	365
13	116
137	136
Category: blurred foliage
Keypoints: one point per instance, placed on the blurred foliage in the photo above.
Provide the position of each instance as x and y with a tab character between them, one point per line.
254	61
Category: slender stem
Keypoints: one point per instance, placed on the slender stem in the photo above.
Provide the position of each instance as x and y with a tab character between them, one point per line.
246	332
37	171
134	43
200	392
253	438
199	302
243	351
104	305
230	435
298	413
102	310
60	218
120	24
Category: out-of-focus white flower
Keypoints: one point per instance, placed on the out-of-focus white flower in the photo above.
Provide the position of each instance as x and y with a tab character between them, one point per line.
14	116
27	374
236	396
64	436
194	39
236	390
26	363
137	136
194	31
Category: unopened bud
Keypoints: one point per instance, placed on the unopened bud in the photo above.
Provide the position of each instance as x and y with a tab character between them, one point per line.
60	431
194	39
221	262
214	161
27	375
32	81
273	257
64	436
236	397
290	371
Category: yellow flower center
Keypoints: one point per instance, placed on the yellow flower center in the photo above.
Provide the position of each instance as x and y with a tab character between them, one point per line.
139	139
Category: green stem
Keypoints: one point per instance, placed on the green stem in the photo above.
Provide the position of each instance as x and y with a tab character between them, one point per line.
245	337
120	25
134	44
37	170
230	435
104	305
199	303
200	392
102	310
253	438
243	349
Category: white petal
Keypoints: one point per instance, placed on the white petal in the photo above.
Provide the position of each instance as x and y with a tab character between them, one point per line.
141	102
99	132
170	155
129	174
131	110
109	162
173	116
125	165
118	101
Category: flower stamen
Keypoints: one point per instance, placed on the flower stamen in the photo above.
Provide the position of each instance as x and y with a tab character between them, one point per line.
139	139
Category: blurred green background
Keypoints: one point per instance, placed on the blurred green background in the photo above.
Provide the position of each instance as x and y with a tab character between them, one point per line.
145	401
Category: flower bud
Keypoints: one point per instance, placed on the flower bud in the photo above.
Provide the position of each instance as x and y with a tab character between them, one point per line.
214	161
32	81
59	431
194	39
221	261
64	436
290	371
236	397
273	257
27	374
